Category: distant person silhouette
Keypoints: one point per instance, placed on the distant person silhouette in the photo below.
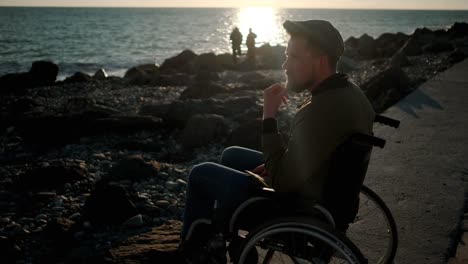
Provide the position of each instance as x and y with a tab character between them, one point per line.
250	42
236	41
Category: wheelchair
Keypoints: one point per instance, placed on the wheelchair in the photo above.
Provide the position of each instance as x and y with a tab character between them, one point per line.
352	225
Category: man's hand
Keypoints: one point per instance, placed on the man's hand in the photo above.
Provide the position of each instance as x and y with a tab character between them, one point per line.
273	96
261	171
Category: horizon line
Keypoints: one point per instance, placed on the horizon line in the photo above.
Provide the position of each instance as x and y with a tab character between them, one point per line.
238	7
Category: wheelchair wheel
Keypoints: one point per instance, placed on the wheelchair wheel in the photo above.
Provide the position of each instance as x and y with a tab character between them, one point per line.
298	240
374	230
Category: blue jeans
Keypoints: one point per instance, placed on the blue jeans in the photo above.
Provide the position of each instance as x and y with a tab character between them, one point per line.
226	182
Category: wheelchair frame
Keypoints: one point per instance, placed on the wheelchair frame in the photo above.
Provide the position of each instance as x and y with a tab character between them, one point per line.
322	228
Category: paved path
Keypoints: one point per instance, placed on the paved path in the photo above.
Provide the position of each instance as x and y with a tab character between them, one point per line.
422	172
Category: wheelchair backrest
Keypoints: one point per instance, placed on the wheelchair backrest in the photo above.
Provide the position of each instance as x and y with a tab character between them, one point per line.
348	168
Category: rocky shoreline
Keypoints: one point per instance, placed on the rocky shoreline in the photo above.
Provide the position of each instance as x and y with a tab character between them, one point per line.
93	168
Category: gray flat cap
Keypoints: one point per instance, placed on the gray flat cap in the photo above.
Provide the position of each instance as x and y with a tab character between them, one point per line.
320	32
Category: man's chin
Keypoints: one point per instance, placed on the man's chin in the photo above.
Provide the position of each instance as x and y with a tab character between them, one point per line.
296	88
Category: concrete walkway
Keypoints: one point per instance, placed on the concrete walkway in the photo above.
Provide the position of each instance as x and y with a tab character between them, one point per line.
422	172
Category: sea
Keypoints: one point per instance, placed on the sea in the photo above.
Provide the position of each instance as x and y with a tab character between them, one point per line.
116	39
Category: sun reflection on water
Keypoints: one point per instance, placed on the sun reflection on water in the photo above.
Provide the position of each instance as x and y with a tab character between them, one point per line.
264	21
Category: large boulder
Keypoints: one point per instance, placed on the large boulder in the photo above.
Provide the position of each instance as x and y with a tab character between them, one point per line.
203	90
207	62
108	204
42	73
386	88
459	30
203	129
78	77
143	74
179	63
270	57
134	167
100	74
388	43
362	48
421	37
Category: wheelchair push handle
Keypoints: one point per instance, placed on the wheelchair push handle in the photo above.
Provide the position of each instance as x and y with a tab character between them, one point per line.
367	140
387	121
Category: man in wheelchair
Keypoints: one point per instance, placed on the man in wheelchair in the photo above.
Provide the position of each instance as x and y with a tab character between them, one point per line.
299	168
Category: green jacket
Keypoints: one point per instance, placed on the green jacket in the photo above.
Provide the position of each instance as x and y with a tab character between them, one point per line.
336	109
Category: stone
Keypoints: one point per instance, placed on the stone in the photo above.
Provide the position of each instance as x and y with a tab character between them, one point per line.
171	185
51	177
142	74
458	30
203	90
268	57
181	182
59	230
134	167
206	77
206	62
247	135
78	77
108	204
179	112
179	63
162	203
74	216
41	73
363	48
203	129
175	79
134	221
388	43
100	74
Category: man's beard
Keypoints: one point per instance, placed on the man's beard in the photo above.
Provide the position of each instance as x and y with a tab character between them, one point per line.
298	87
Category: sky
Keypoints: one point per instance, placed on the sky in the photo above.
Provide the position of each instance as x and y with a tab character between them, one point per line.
352	4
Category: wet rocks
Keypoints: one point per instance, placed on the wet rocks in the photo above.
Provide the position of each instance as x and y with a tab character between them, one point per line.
179	63
78	77
42	73
142	74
